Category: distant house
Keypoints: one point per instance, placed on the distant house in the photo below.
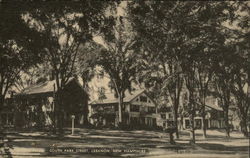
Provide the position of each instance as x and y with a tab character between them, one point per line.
166	117
214	116
34	105
139	110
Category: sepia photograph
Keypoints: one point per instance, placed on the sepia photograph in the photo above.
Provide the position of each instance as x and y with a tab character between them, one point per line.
131	79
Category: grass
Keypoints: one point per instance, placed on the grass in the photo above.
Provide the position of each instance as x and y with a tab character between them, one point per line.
31	144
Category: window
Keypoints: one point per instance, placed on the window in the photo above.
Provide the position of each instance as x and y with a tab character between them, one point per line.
134	108
170	124
163	116
197	123
101	89
164	124
170	115
167	109
143	99
101	93
187	123
151	109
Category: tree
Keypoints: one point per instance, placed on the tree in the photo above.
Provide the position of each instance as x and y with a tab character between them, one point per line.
223	84
65	26
240	83
118	57
209	47
34	75
19	50
160	40
233	65
206	39
185	36
241	62
86	63
204	77
19	46
240	90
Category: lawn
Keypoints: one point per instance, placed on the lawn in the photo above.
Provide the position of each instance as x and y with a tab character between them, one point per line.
36	144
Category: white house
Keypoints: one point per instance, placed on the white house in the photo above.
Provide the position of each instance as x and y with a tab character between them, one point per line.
139	109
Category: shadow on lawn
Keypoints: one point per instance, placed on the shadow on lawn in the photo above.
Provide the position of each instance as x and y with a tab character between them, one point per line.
220	147
119	133
46	141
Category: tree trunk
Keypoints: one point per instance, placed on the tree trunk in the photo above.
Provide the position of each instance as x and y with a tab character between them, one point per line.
171	137
60	123
1	102
227	123
192	134
85	113
1	107
243	125
191	102
85	119
120	99
59	110
85	110
192	121
54	109
204	127
176	122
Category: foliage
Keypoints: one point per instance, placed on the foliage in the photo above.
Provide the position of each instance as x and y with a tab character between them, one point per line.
86	62
19	46
189	34
118	57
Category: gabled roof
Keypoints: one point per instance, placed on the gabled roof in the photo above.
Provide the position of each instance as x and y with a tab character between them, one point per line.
214	107
212	103
110	98
46	87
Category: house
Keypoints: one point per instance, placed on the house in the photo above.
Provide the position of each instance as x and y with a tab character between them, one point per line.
7	113
139	110
213	119
166	119
35	105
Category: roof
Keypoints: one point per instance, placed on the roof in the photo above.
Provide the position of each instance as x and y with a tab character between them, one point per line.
45	87
110	97
214	107
212	103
